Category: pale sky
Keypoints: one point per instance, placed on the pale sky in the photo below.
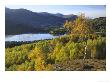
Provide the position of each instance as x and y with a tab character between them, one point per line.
92	11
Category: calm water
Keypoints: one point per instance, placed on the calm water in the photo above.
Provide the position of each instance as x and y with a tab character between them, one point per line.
29	37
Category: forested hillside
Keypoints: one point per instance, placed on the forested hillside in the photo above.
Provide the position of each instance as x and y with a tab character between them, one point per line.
19	21
82	48
46	55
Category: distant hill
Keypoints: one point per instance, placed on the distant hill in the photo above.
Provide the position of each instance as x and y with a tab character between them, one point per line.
68	17
19	21
99	23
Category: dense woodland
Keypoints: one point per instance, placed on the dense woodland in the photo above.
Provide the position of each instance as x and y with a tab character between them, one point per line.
82	48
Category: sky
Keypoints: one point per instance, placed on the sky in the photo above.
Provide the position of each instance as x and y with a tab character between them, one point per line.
92	11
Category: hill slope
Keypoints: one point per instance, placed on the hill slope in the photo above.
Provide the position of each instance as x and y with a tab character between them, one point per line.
24	21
